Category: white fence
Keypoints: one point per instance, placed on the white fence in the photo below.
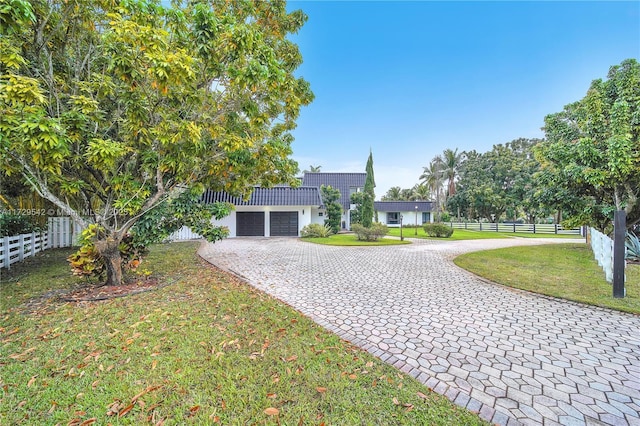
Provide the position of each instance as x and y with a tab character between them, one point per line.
602	247
61	232
184	233
532	228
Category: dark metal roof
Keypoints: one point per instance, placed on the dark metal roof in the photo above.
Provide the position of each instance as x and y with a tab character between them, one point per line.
403	206
340	181
276	196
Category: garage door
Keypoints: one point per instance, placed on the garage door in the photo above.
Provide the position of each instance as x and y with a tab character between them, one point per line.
250	224
283	224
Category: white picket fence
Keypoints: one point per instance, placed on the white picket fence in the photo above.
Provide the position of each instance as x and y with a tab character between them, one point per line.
61	232
602	247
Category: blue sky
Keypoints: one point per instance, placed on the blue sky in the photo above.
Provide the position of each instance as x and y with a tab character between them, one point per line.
410	79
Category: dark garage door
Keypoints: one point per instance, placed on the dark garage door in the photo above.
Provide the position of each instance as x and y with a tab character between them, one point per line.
250	224
284	224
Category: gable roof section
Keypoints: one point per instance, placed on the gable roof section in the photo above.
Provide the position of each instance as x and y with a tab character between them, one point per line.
403	206
341	181
276	196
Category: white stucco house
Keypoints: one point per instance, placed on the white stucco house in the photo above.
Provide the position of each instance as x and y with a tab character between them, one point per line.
411	212
284	210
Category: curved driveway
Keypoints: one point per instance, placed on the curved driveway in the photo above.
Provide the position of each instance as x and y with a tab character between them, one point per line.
513	356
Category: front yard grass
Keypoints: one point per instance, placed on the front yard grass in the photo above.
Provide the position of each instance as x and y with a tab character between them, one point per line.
207	349
352	240
567	271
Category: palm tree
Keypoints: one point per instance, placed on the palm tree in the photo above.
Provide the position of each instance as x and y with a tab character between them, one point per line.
393	194
450	163
421	193
313	169
431	177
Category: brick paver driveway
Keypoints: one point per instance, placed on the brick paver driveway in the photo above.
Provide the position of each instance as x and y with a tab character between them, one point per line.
513	356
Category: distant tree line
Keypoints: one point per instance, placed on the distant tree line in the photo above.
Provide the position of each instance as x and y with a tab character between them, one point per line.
587	166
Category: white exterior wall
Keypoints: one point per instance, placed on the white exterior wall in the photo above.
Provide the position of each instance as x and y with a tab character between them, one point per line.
409	218
305	217
315	215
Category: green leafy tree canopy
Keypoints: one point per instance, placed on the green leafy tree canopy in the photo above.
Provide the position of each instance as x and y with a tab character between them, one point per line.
111	109
593	149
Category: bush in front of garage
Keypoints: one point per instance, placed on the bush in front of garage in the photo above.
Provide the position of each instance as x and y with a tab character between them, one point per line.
315	230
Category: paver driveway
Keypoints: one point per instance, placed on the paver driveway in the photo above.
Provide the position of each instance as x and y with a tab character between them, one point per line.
513	356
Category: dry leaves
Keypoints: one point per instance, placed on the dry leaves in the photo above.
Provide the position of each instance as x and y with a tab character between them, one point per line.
271	411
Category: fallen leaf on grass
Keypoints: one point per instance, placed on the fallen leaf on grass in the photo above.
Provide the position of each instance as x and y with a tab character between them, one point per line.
22	356
421	395
395	401
31	381
89	421
271	411
272	395
193	410
125	410
22	404
146	391
321	389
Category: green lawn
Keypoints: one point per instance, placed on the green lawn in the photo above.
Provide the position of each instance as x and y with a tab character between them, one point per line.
567	271
351	240
206	349
464	234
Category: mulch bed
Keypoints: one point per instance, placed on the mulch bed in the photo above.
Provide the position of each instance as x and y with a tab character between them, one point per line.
95	293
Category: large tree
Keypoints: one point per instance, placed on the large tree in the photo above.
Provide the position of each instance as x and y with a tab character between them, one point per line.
498	182
111	109
593	150
432	178
450	162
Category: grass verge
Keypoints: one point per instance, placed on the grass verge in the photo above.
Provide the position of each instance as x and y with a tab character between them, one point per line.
207	349
351	240
567	271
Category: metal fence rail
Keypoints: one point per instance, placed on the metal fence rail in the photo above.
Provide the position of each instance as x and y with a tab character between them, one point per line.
531	228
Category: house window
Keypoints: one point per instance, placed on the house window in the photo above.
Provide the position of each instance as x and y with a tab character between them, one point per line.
393	218
426	217
320	214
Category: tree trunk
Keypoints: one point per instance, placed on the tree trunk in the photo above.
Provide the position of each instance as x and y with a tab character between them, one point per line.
108	249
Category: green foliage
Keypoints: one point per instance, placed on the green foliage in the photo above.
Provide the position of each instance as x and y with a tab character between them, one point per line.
366	213
88	262
498	181
372	233
184	210
315	230
330	197
122	106
16	224
357	198
591	159
438	230
632	244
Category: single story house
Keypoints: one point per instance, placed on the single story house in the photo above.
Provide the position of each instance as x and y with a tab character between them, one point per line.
411	212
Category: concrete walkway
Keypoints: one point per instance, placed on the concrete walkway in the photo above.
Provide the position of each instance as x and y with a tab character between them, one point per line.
512	356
